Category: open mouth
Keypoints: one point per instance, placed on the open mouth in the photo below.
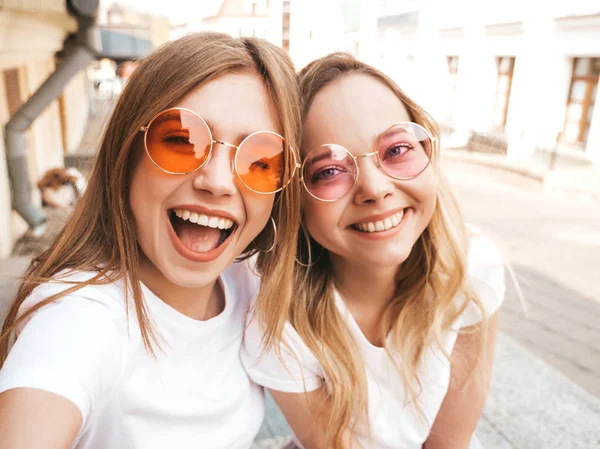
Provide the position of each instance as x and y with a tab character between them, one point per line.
198	232
386	224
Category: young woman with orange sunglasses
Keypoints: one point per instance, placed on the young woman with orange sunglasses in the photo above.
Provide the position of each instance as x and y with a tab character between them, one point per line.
126	332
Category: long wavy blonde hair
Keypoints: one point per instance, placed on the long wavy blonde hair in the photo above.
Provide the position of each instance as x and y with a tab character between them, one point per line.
101	235
417	317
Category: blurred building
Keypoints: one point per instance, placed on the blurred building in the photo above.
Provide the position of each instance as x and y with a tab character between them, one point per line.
307	29
507	76
31	33
128	33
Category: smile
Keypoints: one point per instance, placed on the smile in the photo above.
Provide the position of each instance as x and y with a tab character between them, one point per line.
380	225
200	236
204	220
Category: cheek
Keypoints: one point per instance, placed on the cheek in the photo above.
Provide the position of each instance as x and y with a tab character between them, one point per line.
147	194
425	190
258	210
321	218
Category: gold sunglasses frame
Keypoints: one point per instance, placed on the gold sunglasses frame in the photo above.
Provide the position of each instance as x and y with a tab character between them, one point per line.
376	152
296	165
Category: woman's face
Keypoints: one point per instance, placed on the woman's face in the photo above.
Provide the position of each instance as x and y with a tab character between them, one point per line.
353	112
190	254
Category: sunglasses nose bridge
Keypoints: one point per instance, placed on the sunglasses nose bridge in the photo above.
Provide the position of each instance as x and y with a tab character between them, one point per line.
230	145
373	153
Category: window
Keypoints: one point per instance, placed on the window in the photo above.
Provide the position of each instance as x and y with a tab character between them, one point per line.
285	26
580	103
452	62
13	90
505	66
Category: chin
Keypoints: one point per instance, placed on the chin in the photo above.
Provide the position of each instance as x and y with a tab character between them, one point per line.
385	260
191	278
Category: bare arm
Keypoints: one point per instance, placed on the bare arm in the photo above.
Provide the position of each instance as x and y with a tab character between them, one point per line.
457	419
36	419
306	414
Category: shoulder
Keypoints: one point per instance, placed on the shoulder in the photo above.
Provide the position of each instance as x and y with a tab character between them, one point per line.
242	279
482	251
289	366
485	275
72	346
104	299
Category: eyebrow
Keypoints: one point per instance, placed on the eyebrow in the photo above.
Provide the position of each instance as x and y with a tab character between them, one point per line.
240	137
172	115
320	157
176	116
394	133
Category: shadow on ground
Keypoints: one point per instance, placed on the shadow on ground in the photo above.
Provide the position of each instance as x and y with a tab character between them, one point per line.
561	327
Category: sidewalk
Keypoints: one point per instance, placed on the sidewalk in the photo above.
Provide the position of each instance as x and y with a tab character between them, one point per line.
530	406
581	179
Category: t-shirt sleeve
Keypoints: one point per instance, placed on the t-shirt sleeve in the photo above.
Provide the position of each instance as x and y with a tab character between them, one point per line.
485	270
295	370
70	347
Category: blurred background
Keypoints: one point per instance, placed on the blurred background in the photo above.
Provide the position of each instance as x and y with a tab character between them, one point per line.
512	84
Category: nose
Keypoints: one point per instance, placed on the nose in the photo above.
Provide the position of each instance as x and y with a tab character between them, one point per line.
216	176
372	184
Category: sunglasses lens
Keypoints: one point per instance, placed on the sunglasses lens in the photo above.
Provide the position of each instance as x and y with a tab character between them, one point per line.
261	163
405	150
329	172
178	141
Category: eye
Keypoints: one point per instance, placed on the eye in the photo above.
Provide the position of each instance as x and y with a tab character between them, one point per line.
397	150
326	173
177	140
261	165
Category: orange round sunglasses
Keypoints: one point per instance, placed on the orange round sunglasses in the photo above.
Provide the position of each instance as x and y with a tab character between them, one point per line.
179	141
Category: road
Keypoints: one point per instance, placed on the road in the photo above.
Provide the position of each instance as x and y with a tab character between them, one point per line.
552	242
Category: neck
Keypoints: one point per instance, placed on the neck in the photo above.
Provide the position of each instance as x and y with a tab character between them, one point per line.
362	285
200	303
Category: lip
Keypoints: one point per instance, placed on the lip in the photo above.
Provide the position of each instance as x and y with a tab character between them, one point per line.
205	211
193	256
381	235
380	217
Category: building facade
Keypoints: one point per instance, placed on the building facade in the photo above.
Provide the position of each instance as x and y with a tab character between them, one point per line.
31	33
307	29
524	74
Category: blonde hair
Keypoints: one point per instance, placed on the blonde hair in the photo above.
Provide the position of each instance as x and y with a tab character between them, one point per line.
417	317
100	236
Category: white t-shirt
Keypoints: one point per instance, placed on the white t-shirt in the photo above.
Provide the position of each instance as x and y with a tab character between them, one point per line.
194	394
393	425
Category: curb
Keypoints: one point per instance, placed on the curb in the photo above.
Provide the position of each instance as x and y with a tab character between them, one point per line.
563	180
493	161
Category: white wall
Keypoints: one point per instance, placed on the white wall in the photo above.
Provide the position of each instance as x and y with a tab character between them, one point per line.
539	35
74	107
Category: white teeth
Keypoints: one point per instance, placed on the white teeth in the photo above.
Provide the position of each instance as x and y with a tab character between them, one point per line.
204	220
213	222
381	225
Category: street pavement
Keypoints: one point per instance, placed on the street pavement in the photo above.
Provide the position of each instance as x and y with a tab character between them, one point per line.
552	242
